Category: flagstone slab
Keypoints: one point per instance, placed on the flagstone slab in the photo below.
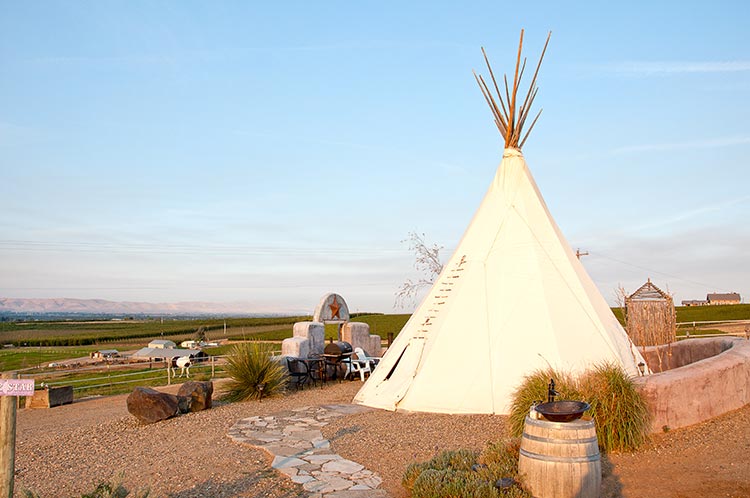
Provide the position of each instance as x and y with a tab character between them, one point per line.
342	466
301	479
302	453
358	493
280	462
321	459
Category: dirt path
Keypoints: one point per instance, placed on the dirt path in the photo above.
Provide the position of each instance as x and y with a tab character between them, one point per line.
63	451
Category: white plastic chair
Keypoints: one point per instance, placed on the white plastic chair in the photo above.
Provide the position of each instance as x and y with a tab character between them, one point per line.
362	356
356	364
362	364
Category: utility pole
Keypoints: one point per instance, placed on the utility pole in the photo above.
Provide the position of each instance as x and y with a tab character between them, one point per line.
579	254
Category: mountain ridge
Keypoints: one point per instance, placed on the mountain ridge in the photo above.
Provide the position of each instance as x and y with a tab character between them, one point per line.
103	306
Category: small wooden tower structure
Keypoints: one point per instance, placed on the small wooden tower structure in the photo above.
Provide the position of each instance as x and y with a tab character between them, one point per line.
650	317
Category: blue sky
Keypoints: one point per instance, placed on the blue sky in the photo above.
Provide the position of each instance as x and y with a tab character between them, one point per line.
267	153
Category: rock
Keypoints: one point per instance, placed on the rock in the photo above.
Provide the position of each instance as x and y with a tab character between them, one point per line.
198	393
149	405
183	404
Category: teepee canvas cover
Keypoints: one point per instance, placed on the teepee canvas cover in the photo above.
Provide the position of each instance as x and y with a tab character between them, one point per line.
513	298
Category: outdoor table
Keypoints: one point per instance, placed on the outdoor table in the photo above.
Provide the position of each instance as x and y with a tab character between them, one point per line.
335	362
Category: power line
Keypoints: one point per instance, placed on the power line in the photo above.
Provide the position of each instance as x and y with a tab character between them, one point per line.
657	272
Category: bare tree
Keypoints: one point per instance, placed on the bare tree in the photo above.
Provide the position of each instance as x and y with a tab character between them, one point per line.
427	262
200	334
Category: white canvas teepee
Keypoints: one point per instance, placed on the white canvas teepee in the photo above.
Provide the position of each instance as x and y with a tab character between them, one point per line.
513	298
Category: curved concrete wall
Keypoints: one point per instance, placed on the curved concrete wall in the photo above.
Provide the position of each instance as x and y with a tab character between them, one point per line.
702	390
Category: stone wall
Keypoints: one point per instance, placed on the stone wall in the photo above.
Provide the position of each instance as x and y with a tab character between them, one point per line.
701	390
679	354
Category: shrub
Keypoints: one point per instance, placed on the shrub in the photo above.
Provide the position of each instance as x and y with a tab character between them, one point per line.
447	460
452	484
617	407
105	489
463	473
501	458
250	365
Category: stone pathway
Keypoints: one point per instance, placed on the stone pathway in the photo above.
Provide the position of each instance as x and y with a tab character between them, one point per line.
301	452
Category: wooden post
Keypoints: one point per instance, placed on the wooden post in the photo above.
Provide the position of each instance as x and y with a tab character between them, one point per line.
390	338
7	440
168	362
213	365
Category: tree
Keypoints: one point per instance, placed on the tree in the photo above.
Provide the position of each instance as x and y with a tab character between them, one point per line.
200	334
427	262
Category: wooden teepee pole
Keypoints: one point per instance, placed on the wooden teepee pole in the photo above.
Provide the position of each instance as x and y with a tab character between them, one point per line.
510	117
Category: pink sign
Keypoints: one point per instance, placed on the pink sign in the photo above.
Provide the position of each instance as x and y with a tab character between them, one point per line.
16	387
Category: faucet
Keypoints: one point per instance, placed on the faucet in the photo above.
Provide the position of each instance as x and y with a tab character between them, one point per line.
551	393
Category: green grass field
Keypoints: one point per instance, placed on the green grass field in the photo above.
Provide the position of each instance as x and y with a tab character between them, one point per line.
66	339
70	333
704	313
21	358
118	380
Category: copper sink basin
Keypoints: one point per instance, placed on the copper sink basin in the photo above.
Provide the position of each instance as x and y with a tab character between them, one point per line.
563	411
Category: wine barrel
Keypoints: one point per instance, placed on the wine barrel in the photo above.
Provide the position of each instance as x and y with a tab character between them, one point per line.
560	459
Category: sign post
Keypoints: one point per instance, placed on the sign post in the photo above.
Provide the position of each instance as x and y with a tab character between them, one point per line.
10	388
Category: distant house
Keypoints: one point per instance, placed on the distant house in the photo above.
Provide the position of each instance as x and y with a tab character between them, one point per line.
158	354
162	344
694	302
728	298
107	354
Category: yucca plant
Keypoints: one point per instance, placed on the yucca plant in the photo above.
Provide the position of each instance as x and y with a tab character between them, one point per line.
620	411
253	372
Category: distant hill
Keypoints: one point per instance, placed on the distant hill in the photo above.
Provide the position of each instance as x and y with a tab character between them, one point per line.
104	307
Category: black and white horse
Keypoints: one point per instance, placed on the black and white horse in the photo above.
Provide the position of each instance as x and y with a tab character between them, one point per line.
183	362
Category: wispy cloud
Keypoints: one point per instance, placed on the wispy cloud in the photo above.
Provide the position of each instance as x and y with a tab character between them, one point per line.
692	214
711	143
643	68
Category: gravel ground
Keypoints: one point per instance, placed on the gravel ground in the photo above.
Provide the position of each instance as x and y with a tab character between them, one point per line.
66	450
389	441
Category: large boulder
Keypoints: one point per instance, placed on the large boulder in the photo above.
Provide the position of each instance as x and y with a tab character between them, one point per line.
149	405
198	395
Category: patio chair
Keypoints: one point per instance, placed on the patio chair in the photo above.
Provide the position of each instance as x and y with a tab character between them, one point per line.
359	363
362	356
298	371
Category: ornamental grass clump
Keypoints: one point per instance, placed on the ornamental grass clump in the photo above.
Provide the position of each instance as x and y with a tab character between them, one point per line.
253	372
463	473
620	411
535	388
617	407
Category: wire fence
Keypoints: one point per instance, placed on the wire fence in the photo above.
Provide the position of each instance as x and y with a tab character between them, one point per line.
714	328
116	378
